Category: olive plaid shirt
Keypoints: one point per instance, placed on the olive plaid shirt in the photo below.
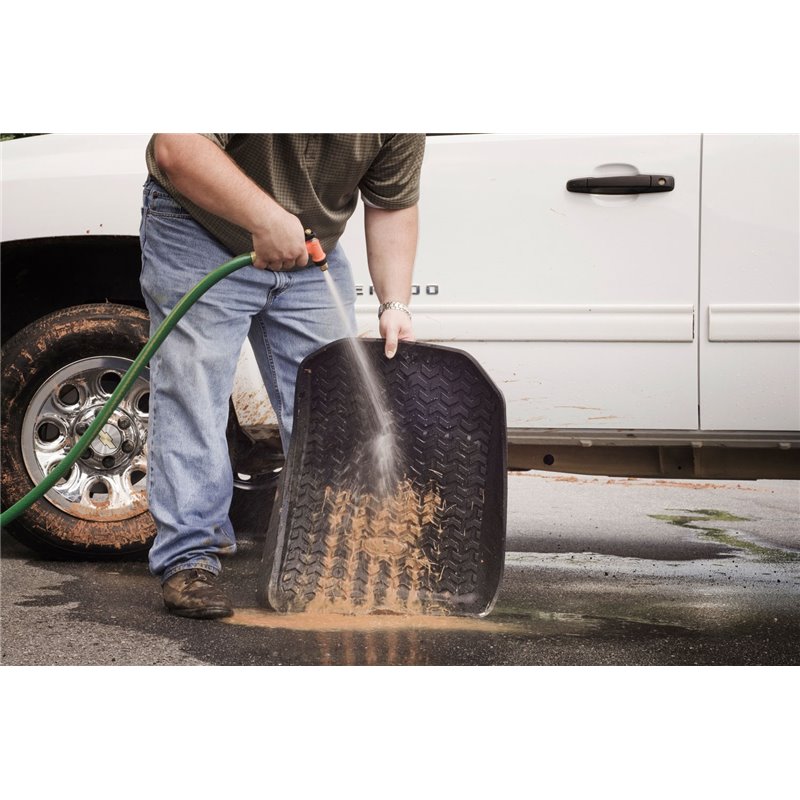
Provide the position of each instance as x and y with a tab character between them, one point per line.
316	177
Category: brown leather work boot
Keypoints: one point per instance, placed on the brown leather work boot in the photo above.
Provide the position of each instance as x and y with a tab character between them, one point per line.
194	593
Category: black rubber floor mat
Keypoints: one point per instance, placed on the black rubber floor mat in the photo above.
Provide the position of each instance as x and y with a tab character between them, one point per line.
430	541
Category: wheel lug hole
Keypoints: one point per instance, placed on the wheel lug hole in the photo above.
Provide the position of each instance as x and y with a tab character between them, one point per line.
127	447
123	423
81	428
108	462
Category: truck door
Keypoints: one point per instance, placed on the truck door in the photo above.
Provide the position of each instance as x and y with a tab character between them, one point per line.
749	321
580	305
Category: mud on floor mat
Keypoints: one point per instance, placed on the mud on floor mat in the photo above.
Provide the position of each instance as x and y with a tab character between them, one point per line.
430	539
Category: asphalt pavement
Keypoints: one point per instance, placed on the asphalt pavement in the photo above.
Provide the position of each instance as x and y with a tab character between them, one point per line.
598	571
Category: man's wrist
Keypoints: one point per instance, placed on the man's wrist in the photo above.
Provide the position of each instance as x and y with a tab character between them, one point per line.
395	305
265	215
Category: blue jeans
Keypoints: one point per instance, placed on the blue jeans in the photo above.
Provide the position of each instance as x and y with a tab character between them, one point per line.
286	315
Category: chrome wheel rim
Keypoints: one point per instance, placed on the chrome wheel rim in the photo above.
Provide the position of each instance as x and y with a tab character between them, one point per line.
108	481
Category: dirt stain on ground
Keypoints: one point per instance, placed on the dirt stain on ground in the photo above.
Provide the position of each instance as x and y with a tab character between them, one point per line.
636	482
260	618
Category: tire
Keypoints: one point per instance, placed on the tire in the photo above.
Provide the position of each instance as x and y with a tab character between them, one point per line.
256	474
56	373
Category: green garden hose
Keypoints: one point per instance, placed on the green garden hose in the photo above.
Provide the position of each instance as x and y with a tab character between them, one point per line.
128	379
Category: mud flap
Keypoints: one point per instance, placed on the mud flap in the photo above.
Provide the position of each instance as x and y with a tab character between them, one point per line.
432	542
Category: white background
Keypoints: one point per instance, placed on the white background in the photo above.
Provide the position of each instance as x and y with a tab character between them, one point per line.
571	67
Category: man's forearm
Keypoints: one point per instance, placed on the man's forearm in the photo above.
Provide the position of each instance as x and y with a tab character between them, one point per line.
207	176
391	248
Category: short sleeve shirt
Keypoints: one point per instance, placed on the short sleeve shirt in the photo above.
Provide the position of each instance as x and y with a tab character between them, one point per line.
316	177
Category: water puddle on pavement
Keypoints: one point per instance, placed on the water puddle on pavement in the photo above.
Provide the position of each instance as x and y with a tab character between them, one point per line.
693	519
393	639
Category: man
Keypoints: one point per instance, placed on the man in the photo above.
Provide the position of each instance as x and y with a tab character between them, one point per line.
208	198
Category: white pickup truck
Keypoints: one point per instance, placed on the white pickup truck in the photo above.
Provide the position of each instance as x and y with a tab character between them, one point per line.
636	299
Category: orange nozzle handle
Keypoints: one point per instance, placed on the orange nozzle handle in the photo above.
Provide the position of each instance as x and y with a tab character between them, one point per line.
315	251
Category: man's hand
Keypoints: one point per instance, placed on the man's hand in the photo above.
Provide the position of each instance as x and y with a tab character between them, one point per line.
280	243
394	326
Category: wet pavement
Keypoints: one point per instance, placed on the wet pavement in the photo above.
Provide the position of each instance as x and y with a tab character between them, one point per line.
598	571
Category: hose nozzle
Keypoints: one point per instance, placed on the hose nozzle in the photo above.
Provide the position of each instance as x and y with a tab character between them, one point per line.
315	251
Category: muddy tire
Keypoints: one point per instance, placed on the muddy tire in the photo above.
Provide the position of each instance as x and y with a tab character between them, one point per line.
56	373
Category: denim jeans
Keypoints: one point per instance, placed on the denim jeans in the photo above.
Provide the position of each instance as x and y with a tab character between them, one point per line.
286	315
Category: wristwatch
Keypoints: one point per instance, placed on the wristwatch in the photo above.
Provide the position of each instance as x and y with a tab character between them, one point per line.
393	304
